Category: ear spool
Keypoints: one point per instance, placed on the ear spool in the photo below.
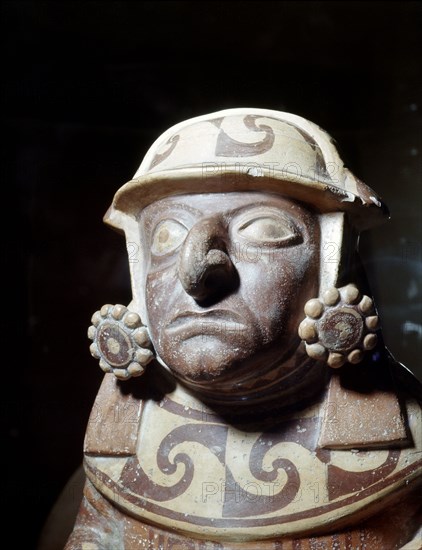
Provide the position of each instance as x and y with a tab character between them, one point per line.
340	326
120	341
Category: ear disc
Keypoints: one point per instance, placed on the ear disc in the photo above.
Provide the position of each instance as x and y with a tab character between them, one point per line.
120	341
340	326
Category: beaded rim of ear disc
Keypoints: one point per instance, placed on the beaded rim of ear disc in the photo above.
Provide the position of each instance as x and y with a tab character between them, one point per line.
339	326
120	341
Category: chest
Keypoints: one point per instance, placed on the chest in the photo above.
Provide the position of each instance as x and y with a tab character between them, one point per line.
187	469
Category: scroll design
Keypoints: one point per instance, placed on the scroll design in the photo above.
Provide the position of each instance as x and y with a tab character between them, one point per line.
160	157
240	503
229	147
342	482
213	437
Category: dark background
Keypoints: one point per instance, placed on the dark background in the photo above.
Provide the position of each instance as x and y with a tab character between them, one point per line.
87	87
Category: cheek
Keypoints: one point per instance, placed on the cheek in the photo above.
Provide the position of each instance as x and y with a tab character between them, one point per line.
275	289
159	297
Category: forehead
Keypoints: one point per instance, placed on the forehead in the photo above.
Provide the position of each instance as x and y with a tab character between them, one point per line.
224	204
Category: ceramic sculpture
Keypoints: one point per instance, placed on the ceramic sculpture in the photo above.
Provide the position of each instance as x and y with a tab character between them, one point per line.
249	401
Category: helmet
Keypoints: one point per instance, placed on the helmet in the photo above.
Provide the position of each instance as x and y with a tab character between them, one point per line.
249	150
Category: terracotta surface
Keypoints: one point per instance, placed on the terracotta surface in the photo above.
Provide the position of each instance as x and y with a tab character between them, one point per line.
272	416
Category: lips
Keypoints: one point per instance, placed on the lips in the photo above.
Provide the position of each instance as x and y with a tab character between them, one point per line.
216	322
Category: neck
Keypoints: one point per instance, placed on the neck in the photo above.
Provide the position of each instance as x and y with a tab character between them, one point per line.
292	385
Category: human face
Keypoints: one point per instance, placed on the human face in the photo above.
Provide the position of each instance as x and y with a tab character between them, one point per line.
228	275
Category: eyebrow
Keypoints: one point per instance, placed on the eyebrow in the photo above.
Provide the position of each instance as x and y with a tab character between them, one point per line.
231	213
181	206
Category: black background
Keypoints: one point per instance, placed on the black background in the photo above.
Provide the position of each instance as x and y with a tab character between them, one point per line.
87	87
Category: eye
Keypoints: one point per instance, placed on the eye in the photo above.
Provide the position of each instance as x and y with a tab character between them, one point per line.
168	235
269	229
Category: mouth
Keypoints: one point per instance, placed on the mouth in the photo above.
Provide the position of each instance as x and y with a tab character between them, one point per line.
216	322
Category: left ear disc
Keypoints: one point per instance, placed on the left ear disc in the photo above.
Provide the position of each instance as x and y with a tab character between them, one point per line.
340	326
120	341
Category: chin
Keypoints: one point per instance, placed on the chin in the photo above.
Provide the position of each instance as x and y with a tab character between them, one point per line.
220	373
200	360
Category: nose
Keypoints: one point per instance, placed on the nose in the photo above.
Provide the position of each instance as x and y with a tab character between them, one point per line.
205	268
